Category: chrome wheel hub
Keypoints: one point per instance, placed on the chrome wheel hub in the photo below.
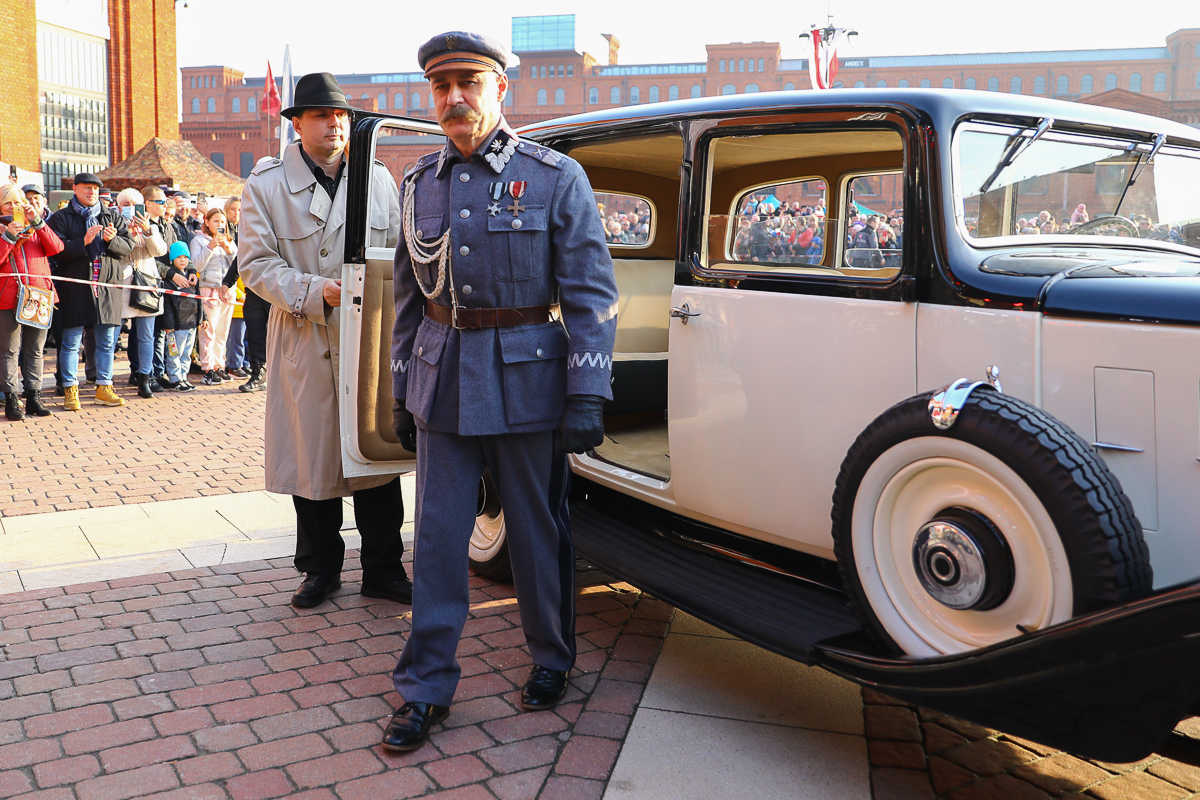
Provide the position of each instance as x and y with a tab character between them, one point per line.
962	561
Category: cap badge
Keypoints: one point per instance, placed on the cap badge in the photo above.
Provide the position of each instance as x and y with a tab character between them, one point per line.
451	42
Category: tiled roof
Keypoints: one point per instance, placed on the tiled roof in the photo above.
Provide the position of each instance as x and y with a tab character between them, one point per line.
171	162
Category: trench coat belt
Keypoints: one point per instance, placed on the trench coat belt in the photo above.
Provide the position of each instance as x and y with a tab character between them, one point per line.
477	318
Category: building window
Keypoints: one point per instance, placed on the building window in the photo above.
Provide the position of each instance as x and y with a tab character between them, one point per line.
1198	51
969	83
1063	86
751	88
508	98
696	87
750	66
1014	86
593	96
397	101
235	105
741	65
635	95
789	87
250	105
948	83
560	97
543	70
1160	81
381	101
1110	82
838	85
926	83
902	83
570	70
614	96
1039	84
1085	84
195	105
993	84
721	65
880	84
414	102
541	97
1135	82
193	81
212	105
729	88
246	163
673	93
1198	80
219	159
760	65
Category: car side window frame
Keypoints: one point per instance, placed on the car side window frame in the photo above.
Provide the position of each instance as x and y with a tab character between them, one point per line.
650	236
843	246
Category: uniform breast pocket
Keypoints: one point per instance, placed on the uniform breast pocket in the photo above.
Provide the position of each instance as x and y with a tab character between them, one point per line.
527	246
428	229
535	372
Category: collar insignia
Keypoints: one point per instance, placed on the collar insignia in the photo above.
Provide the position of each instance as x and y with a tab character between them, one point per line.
499	157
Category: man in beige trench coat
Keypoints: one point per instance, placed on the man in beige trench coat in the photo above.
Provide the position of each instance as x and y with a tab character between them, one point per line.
292	239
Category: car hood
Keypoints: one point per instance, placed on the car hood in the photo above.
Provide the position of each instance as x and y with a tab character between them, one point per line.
1163	290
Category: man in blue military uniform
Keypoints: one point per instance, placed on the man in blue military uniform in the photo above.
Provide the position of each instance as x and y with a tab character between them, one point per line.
502	354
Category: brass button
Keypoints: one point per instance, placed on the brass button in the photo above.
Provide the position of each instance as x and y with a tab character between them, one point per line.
539	352
327	354
467	289
420	351
324	253
466	212
420	233
464	251
516	224
464	177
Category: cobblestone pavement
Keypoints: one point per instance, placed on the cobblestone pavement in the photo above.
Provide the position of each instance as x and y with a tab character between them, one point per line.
918	754
205	442
207	684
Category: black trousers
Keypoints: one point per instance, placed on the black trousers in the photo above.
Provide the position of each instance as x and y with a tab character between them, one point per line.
255	311
379	513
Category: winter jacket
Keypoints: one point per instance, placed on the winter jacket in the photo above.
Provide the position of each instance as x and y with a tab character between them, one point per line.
180	313
31	257
211	265
81	305
169	236
142	259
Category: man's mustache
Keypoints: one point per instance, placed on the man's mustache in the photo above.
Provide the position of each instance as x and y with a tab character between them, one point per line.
461	111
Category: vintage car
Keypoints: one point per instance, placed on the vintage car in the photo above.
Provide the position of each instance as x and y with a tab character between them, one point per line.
956	459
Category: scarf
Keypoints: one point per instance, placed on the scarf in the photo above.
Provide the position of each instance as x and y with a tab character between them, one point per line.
91	216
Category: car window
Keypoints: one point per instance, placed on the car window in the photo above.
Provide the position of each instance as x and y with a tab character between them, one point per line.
874	225
628	219
780	223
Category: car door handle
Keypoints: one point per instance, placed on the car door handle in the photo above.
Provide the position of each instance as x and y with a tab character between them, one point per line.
683	313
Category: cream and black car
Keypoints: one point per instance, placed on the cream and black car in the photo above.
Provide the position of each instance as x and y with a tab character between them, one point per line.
906	385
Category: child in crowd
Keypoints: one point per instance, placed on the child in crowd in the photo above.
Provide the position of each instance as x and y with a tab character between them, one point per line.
181	317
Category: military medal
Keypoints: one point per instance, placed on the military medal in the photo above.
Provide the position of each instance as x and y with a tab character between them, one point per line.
516	190
496	192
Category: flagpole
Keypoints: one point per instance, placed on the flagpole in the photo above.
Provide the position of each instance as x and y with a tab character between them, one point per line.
285	127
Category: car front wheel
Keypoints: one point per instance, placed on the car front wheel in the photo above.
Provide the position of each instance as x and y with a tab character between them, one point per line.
488	547
1005	523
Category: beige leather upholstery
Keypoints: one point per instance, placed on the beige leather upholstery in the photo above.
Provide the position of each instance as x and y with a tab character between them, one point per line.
644	308
375	437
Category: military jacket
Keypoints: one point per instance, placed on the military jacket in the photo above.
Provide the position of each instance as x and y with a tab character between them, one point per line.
524	231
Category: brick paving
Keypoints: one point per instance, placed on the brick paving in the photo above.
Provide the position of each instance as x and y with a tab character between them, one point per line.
207	684
205	442
918	754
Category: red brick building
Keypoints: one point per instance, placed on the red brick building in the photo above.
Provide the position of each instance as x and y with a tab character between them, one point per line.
221	106
107	82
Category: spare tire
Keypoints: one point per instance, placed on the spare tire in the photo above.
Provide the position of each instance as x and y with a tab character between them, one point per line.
488	548
1007	522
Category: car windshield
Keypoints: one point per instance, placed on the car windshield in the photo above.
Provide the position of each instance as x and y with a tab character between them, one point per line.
1077	186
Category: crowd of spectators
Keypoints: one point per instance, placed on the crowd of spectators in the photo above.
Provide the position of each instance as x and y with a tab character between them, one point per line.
628	227
139	242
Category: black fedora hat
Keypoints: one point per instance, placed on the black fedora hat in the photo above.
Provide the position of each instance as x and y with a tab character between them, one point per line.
316	90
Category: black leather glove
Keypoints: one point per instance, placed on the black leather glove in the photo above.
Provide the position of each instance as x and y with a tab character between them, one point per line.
582	425
404	426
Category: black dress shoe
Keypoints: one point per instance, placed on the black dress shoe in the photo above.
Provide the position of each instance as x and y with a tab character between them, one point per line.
315	589
410	726
544	689
399	590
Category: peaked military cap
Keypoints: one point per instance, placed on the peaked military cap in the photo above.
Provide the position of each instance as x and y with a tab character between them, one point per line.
462	50
316	90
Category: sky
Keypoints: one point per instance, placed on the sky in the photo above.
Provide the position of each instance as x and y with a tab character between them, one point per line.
347	36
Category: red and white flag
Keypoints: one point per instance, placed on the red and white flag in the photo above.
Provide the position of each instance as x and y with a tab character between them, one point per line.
823	66
270	99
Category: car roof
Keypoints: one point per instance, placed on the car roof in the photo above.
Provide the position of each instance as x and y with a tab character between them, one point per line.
944	106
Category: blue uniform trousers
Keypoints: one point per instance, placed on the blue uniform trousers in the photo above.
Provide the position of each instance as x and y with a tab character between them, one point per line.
532	480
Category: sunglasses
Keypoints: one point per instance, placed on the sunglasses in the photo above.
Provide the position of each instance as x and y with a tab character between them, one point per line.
158	202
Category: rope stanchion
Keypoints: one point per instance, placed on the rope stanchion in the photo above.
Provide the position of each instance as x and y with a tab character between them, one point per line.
159	289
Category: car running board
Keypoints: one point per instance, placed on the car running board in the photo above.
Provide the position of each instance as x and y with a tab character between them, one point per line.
779	612
1110	685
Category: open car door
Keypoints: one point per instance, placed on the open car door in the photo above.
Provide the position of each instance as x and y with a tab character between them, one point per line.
365	381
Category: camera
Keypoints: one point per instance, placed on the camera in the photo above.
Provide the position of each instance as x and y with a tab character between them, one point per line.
221	230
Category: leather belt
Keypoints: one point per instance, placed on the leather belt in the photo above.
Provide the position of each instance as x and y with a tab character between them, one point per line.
478	318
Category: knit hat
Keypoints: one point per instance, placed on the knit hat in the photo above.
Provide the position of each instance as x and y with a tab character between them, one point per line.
178	249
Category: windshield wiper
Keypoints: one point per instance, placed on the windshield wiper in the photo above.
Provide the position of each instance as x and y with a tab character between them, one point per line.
1159	140
1016	146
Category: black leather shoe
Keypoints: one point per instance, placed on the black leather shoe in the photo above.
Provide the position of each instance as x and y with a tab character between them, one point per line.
399	590
410	726
544	689
315	589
